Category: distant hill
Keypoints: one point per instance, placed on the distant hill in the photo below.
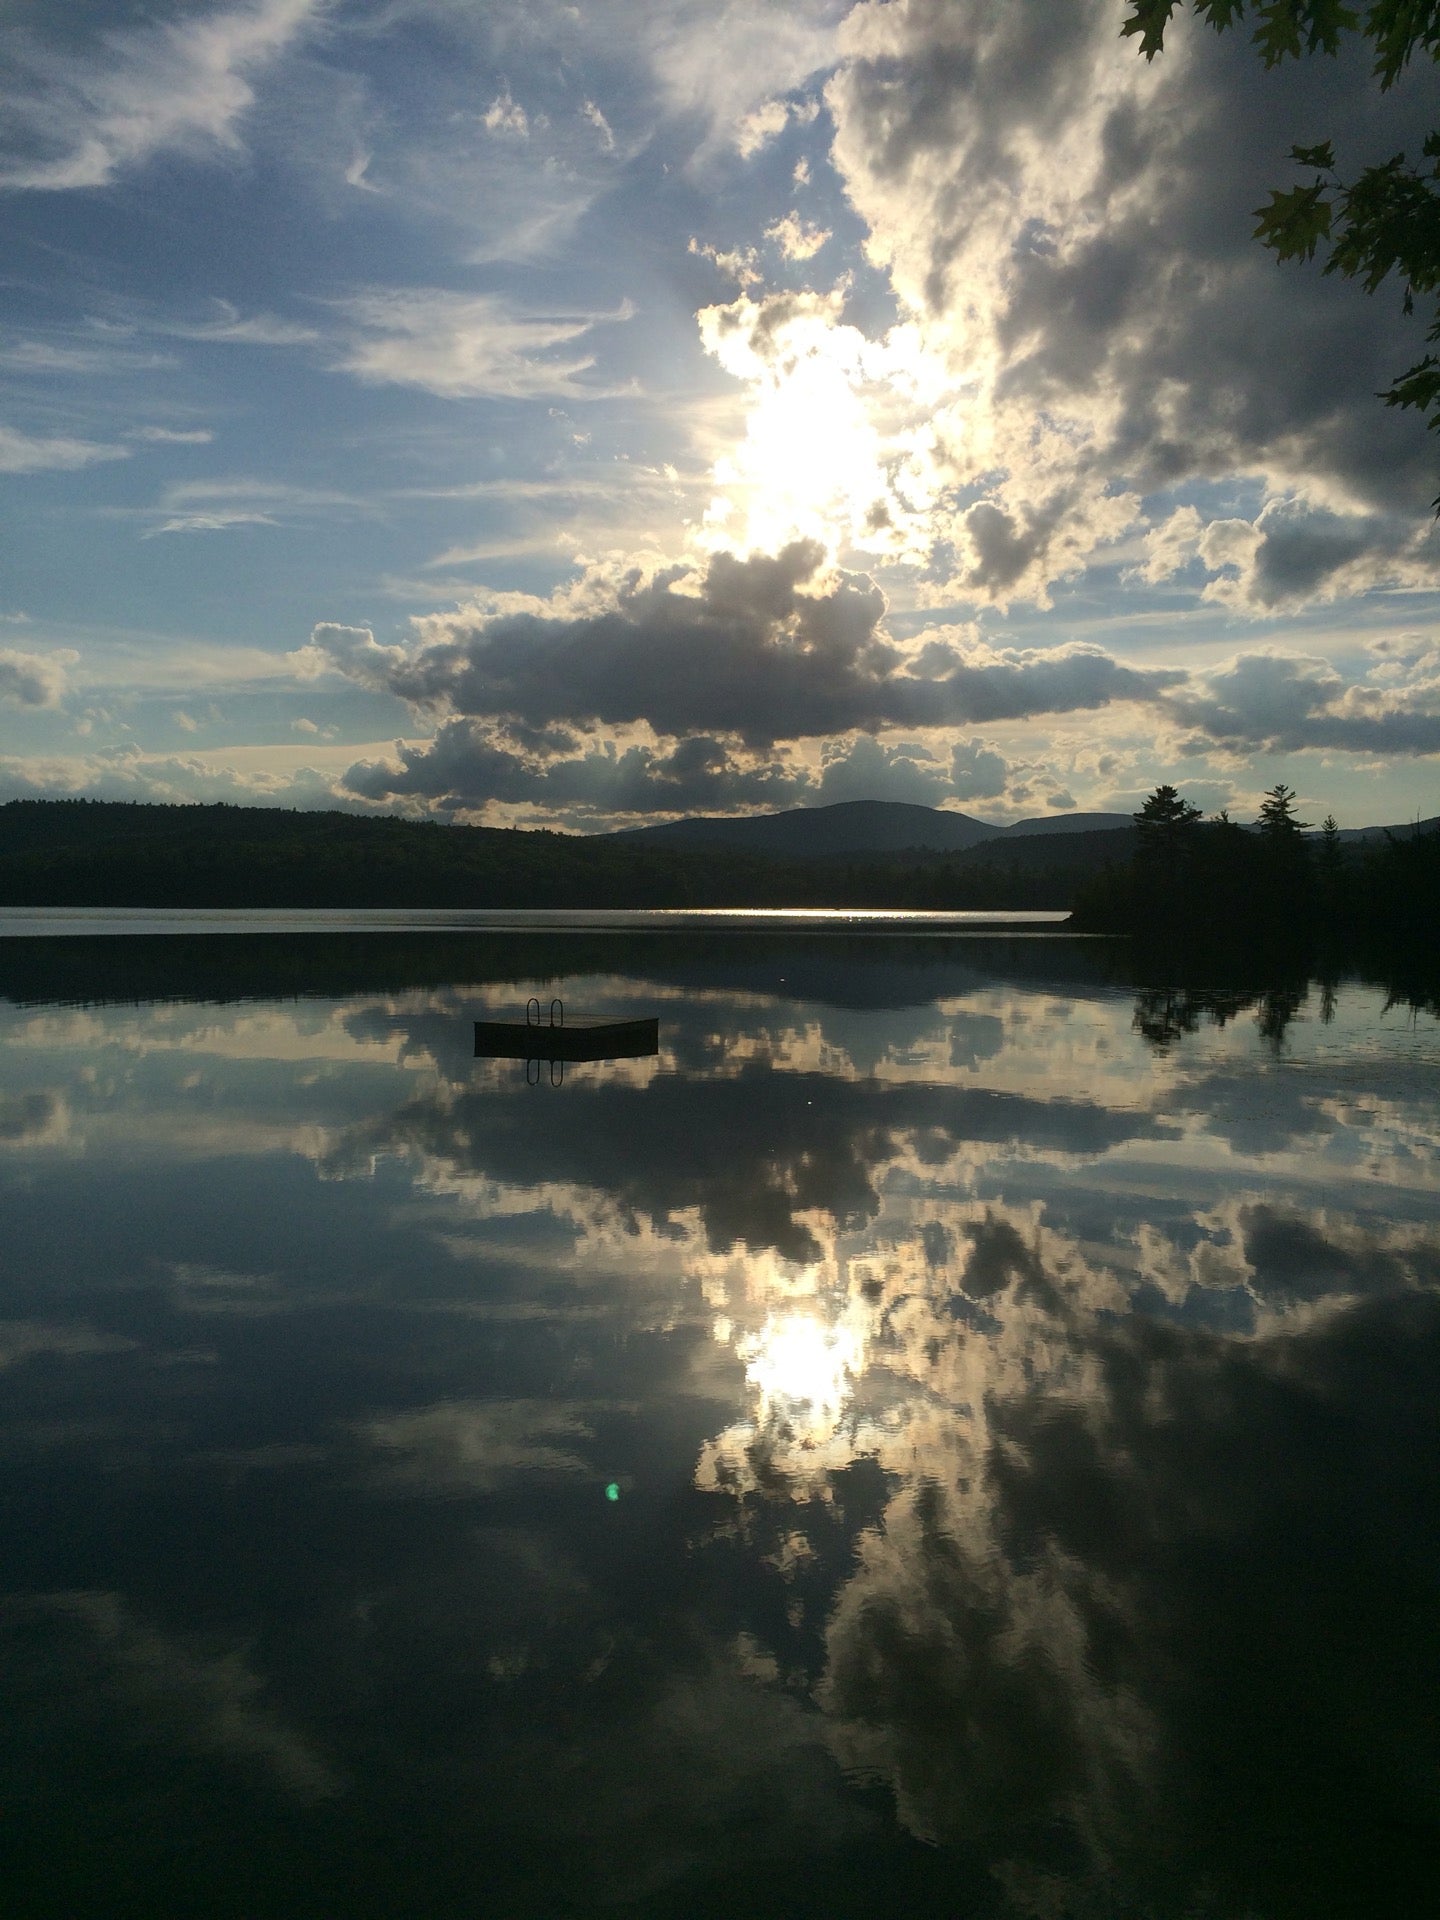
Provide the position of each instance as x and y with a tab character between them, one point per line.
1069	823
883	854
90	853
851	826
894	826
1350	836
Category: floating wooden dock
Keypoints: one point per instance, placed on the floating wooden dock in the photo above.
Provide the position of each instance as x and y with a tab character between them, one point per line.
522	1040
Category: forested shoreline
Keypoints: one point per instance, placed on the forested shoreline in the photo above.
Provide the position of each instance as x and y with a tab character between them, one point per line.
1203	885
78	853
1176	882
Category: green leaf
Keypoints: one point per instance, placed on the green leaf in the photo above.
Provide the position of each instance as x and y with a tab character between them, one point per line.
1294	223
1321	156
1220	13
1396	29
1418	387
1319	23
1148	18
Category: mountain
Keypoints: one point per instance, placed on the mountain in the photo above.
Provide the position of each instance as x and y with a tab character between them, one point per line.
851	826
895	826
1069	823
1350	836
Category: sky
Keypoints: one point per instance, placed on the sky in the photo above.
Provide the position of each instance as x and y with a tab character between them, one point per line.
583	415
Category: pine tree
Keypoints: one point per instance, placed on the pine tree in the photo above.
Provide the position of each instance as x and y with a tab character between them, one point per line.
1165	822
1277	816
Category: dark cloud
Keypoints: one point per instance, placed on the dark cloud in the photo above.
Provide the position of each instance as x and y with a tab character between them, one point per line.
976	771
29	1116
467	765
1133	302
1295	1256
1281	703
753	1153
751	651
866	769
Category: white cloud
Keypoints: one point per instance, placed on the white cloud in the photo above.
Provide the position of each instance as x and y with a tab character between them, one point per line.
504	116
174	85
729	59
128	774
23	453
589	111
250	330
33	679
44	358
797	239
760	126
1171	545
1068	235
216	506
173	436
740	264
463	346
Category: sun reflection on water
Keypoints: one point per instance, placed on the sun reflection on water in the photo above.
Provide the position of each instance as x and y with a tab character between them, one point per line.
802	1367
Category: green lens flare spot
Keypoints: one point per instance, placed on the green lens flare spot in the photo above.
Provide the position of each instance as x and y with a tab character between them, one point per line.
612	1492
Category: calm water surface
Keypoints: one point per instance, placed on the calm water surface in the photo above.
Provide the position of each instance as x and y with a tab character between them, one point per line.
948	1437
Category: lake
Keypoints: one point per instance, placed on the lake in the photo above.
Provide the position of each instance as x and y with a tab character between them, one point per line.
953	1433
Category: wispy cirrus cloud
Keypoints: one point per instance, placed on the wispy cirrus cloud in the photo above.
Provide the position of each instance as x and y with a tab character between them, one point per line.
183	84
226	324
220	505
469	346
44	357
52	453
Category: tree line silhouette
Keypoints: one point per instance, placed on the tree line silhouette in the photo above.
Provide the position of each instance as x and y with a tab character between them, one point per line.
1216	884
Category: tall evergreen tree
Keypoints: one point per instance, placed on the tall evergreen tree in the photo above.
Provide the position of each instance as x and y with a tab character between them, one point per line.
1277	819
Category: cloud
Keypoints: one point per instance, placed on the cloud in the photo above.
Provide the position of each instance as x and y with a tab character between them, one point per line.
231	326
1285	703
1292	555
740	264
21	453
32	679
759	649
128	774
758	127
478	1446
468	765
22	1340
47	357
589	111
173	436
977	772
176	85
1069	231
866	769
731	65
503	116
797	239
755	130
217	506
169	1691
463	346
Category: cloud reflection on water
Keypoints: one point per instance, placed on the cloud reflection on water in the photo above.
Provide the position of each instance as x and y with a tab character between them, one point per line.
1028	1397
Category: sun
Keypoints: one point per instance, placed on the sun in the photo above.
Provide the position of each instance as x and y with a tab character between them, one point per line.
835	446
